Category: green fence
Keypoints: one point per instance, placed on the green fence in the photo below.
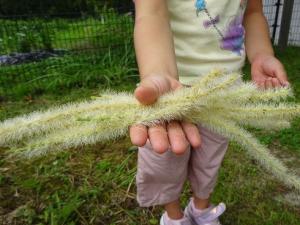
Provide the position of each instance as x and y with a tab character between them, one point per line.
41	53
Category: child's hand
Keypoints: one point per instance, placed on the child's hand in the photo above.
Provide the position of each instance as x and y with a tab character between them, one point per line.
268	72
175	135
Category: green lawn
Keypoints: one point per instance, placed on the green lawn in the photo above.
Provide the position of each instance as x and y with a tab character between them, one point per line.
96	185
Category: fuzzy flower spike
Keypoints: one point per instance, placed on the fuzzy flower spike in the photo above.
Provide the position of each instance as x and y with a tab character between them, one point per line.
220	102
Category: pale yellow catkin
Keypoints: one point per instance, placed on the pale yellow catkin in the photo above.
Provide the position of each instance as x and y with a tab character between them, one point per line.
221	102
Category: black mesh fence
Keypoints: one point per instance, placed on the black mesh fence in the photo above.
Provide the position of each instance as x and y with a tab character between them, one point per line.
37	50
62	50
294	35
273	12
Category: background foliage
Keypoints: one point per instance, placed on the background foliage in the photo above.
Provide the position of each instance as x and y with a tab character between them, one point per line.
17	7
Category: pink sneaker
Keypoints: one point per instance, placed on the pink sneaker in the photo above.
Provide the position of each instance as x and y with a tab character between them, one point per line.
207	216
165	220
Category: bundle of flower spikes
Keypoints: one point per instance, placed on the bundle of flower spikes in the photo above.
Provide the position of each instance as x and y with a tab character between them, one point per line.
220	102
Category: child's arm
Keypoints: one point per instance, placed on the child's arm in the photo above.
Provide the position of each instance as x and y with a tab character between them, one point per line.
266	70
153	39
157	66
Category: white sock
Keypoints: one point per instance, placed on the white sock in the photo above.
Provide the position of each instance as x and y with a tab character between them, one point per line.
196	211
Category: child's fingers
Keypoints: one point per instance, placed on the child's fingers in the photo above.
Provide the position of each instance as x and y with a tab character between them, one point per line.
276	82
178	141
192	134
159	138
268	84
260	84
281	75
258	78
138	135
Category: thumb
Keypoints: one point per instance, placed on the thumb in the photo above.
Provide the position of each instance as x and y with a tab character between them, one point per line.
151	88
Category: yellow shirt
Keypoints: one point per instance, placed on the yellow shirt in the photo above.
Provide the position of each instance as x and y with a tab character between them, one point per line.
207	35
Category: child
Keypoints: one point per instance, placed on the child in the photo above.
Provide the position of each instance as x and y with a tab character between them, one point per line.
176	41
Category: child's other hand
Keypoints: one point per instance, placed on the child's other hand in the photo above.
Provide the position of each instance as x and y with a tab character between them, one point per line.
268	72
175	135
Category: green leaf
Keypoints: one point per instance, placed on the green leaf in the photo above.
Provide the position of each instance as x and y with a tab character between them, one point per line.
153	221
103	165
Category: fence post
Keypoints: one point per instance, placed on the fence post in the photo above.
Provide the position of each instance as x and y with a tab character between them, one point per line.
275	25
285	24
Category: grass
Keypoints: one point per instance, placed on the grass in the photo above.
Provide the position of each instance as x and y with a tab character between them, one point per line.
97	53
60	75
95	184
30	34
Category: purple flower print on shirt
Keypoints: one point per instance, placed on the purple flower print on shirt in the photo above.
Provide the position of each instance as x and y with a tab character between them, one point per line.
233	39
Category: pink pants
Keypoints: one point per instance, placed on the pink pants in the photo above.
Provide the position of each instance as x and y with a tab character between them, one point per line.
160	177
